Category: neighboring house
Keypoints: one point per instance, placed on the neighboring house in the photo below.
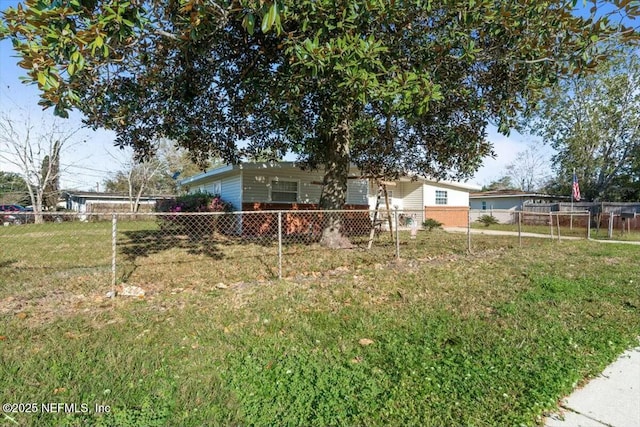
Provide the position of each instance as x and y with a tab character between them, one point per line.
92	202
284	186
487	202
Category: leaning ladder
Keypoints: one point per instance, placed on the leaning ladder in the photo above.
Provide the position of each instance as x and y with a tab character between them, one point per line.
375	223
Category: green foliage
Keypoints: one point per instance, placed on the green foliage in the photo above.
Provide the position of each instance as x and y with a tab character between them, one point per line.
13	189
488	220
389	86
195	202
504	183
431	223
591	121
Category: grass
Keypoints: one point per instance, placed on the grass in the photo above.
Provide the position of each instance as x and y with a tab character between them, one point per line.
576	231
537	229
349	337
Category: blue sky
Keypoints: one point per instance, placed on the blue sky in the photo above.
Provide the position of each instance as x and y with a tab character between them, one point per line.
88	163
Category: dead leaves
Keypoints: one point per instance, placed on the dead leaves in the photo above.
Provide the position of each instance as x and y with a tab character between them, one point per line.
365	342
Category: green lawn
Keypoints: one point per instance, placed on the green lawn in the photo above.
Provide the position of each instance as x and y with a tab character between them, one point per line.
565	230
349	337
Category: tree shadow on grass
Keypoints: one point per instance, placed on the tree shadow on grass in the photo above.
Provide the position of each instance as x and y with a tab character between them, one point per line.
8	263
144	243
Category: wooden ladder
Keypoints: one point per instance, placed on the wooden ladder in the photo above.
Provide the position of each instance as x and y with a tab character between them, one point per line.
376	222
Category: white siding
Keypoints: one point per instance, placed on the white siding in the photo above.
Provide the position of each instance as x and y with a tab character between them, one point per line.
396	195
413	203
454	197
231	190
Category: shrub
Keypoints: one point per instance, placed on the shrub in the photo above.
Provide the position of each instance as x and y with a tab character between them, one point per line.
196	225
196	202
488	220
431	223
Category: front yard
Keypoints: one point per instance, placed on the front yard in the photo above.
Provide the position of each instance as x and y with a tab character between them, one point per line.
438	338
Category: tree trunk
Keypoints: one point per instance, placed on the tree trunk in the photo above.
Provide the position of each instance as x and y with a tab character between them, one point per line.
334	193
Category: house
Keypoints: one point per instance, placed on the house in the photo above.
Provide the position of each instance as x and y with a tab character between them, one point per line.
509	199
93	202
266	186
488	202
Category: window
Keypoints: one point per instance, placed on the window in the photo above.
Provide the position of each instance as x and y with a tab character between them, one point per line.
441	197
484	206
284	191
213	188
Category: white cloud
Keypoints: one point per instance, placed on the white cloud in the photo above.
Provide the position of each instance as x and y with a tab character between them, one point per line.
506	149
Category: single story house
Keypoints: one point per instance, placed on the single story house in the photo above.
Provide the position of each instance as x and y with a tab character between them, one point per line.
510	199
93	202
263	186
502	203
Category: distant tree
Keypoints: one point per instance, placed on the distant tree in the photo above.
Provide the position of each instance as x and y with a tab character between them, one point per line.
51	168
154	175
27	145
529	170
593	122
503	183
13	189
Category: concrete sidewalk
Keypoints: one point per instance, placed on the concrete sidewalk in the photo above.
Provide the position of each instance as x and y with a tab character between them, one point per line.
610	400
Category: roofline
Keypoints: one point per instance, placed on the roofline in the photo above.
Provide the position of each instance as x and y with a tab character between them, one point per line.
504	196
86	194
222	170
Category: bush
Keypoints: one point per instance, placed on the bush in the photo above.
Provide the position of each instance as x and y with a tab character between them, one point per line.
488	220
196	225
196	202
431	223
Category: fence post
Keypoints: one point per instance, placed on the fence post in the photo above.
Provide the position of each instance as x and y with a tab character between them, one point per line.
395	214
610	231
589	226
558	224
469	231
520	228
551	223
279	244
114	238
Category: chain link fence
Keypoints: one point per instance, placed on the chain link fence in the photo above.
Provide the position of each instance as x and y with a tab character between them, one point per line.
219	248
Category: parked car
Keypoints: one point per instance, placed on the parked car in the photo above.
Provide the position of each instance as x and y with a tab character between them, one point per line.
15	214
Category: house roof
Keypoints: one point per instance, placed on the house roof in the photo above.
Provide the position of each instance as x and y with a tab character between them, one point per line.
110	196
229	169
498	194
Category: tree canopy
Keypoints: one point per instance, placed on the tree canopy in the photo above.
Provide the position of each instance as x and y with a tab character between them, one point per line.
392	86
593	122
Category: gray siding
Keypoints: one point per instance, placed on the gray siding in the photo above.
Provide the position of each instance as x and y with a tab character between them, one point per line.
357	191
257	184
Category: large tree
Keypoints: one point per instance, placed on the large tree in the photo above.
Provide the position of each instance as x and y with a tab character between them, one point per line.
593	122
392	86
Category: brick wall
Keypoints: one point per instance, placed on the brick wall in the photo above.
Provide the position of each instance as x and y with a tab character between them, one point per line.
449	216
298	222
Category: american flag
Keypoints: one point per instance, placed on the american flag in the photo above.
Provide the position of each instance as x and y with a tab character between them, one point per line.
576	188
